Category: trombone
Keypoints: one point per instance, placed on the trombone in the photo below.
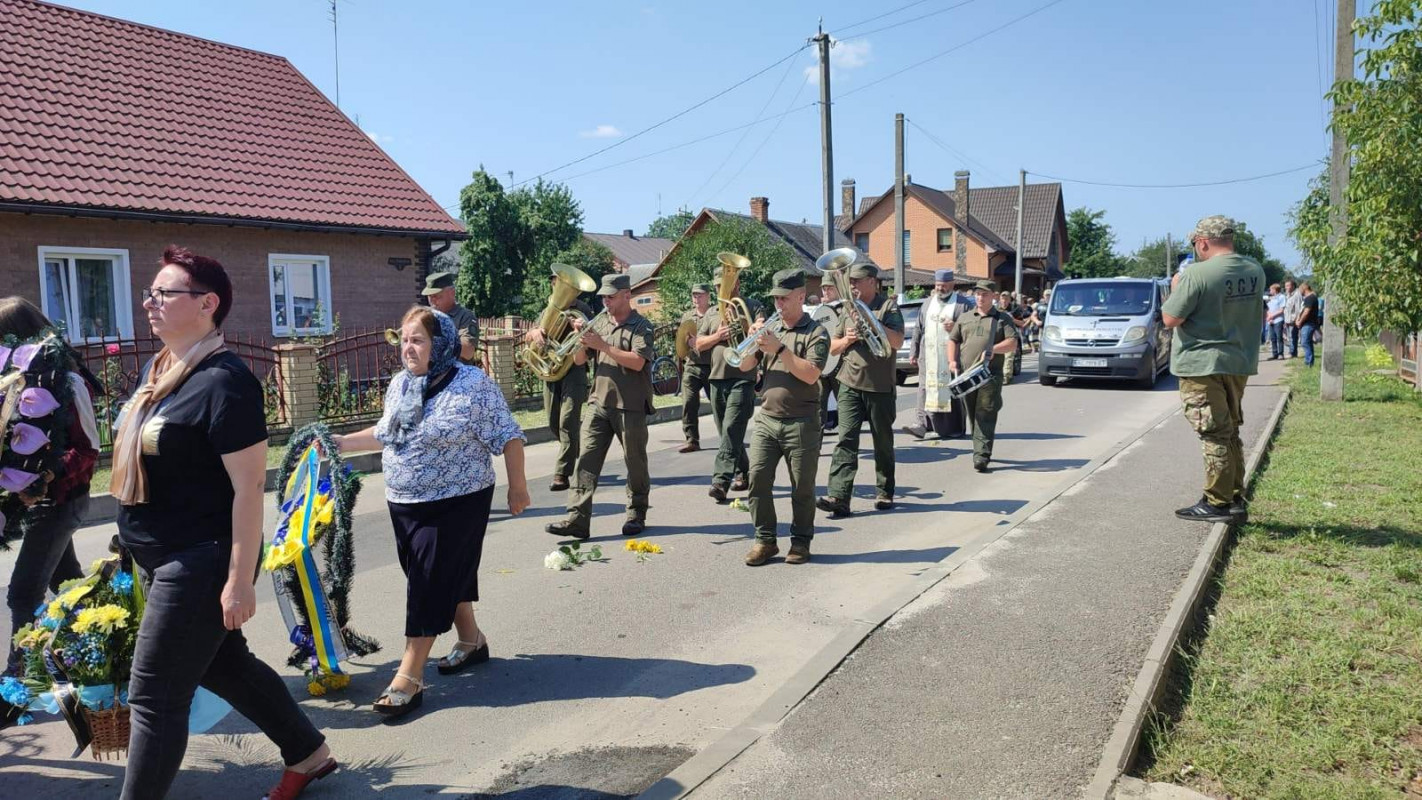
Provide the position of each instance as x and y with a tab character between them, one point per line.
835	265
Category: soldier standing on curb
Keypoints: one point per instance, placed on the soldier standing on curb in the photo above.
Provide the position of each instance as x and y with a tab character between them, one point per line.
990	330
439	292
1215	309
695	375
563	401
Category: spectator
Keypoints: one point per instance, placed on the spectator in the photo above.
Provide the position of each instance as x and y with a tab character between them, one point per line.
1274	321
1293	304
1310	321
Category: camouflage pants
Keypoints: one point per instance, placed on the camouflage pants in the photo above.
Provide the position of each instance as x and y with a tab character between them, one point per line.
1214	407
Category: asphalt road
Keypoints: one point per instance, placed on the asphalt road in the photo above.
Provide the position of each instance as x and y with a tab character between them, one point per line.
605	678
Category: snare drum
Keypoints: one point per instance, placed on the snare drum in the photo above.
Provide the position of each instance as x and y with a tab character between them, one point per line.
969	381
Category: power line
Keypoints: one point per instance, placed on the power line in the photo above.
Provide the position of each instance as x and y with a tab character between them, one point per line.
989	171
879	16
1310	165
891	26
954	48
1318	64
763	142
675	116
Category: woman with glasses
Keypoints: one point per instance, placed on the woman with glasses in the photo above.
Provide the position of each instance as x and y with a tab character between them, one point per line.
189	468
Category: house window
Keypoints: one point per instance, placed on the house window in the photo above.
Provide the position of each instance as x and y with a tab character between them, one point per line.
86	290
945	240
861	242
906	248
646	300
300	294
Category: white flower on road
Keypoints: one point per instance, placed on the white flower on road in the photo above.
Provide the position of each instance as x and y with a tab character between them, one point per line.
557	560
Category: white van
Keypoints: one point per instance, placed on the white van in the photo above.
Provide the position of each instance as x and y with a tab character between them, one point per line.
1105	328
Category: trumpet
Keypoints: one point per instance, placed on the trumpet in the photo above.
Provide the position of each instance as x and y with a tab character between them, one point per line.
564	350
734	312
746	347
835	265
552	359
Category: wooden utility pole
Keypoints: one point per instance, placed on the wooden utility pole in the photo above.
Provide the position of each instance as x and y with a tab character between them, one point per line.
826	139
899	255
1021	204
1330	380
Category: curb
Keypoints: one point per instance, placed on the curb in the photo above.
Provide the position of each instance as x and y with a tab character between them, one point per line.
1121	749
104	508
699	768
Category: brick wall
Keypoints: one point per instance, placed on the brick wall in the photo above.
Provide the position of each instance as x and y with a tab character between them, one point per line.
366	291
923	223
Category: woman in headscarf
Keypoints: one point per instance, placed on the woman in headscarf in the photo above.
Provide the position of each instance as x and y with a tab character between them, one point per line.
443	423
190	462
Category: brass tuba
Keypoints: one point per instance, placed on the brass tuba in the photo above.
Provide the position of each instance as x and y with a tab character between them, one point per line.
835	265
552	359
734	313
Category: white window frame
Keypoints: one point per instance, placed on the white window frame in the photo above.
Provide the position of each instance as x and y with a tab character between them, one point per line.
123	290
646	300
323	285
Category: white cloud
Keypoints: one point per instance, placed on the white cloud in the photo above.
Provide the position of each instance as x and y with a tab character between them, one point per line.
601	132
380	138
844	56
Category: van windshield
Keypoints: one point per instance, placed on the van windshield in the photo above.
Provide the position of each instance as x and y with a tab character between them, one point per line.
1104	299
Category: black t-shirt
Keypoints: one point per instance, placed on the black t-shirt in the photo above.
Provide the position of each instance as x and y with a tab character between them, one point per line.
217	410
1310	304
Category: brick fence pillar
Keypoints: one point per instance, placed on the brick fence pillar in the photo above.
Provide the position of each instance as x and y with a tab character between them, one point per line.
300	389
500	364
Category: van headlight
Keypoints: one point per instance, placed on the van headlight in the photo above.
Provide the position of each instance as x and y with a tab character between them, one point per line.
1052	333
1135	333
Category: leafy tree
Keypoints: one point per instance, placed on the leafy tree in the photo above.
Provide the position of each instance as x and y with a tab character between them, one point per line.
671	226
554	221
588	256
492	259
694	261
1149	259
1375	272
1092	243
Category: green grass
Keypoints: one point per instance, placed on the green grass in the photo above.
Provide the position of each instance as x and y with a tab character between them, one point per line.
1307	679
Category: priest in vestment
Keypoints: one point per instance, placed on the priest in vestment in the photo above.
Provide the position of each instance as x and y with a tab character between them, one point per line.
937	411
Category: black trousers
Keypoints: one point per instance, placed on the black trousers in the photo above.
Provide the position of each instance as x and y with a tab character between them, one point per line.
182	644
46	559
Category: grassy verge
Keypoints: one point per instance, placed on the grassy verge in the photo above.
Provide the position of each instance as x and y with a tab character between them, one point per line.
1307	679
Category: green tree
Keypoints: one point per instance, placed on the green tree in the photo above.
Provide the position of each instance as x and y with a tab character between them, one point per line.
1149	259
694	261
588	256
671	226
1246	243
1375	271
1092	243
554	220
491	266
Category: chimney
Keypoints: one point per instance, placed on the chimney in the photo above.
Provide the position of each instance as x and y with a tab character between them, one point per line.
846	197
963	210
628	233
908	178
760	208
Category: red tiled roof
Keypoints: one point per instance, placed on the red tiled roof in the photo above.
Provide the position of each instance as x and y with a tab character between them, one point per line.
101	113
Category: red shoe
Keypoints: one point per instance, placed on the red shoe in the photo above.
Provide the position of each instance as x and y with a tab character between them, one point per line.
294	783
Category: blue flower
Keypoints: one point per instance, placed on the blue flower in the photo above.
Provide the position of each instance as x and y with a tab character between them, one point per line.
14	692
122	583
50	622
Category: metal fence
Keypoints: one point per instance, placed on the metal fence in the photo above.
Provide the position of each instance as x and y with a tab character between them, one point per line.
352	374
1405	351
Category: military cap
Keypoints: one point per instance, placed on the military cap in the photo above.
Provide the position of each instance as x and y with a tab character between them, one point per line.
612	284
1214	227
863	269
786	281
701	287
437	282
985	286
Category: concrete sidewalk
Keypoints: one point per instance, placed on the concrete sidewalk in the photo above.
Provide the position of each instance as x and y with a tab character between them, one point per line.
1005	679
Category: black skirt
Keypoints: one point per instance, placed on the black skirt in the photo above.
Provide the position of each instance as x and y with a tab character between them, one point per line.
440	544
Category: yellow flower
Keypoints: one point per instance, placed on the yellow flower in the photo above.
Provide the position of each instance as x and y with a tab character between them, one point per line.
651	548
340	681
631	546
104	619
55	610
71	598
315	689
282	555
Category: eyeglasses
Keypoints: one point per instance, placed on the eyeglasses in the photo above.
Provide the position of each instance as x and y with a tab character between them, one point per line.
158	296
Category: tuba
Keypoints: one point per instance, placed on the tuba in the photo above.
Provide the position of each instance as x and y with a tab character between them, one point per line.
835	265
734	313
552	359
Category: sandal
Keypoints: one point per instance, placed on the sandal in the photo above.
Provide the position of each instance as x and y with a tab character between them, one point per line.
398	703
293	783
459	660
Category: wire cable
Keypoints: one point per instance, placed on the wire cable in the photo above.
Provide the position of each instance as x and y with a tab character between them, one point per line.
763	142
989	171
879	16
891	26
1310	165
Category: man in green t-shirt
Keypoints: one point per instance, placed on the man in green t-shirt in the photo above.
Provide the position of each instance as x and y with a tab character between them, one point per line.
1215	310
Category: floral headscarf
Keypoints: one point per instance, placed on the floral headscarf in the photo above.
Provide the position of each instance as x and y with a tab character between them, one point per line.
410	404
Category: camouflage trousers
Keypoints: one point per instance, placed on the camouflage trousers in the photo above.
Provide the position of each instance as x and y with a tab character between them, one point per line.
1214	407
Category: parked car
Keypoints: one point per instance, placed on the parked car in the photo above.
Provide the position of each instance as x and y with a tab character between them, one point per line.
910	309
1105	328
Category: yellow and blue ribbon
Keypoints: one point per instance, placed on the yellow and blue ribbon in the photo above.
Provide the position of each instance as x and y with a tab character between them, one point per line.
325	643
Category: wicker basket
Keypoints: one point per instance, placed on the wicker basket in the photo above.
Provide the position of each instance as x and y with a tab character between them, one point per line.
110	728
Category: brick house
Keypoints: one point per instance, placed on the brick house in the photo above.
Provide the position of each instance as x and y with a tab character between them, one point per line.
108	153
969	230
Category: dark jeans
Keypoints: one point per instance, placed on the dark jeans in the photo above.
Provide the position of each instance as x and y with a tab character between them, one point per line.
1276	339
1291	338
1306	336
182	644
46	559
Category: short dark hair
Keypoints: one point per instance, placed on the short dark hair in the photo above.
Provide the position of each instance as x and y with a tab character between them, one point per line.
206	274
21	319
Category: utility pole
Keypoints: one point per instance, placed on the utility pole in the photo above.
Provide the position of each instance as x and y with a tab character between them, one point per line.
1330	380
826	139
1169	254
336	38
1021	202
899	255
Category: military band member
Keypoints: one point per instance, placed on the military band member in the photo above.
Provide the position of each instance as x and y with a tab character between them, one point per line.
563	406
985	328
788	425
732	398
696	373
937	410
827	314
439	291
620	347
866	394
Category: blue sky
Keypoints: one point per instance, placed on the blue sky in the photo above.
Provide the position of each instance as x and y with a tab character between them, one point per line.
1117	91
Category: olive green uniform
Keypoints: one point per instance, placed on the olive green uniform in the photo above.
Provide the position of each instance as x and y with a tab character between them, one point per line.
866	393
563	406
695	379
788	427
618	407
468	326
974	334
732	401
827	315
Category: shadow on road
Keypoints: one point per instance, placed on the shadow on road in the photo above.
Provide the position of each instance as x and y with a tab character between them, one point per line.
1035	436
925	556
1040	465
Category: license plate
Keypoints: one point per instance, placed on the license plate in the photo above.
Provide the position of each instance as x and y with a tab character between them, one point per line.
1089	362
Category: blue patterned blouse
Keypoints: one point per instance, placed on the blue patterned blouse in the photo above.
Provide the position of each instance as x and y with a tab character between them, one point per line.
450	452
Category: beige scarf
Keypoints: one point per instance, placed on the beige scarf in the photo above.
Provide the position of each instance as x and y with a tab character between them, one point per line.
167	373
